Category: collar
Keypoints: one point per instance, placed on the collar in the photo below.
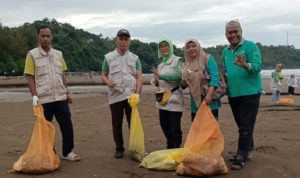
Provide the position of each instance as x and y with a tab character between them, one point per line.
43	52
118	54
237	46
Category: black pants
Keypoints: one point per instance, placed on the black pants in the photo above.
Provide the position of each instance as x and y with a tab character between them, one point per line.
61	111
215	112
170	123
117	114
291	90
244	109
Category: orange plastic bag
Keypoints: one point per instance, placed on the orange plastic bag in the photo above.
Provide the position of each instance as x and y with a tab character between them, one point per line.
202	152
286	101
39	157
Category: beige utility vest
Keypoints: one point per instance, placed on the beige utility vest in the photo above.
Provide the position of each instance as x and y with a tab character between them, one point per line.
175	102
48	75
122	70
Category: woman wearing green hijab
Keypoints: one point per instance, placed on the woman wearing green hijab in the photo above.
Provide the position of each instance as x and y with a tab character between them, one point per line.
168	77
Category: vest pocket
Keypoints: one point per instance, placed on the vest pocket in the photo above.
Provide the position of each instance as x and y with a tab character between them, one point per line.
58	67
115	71
132	67
115	67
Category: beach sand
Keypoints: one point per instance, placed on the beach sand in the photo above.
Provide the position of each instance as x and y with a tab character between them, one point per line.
277	136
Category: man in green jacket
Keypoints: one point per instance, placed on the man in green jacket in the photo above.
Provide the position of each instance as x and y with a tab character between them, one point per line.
242	62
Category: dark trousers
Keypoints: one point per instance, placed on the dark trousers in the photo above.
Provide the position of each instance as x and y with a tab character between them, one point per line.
170	123
117	113
244	109
61	111
291	90
215	112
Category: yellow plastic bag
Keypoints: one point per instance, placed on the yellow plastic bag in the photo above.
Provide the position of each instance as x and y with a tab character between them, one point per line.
202	152
163	160
136	138
39	157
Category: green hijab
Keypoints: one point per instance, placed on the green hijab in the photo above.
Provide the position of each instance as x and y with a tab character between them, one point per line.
171	52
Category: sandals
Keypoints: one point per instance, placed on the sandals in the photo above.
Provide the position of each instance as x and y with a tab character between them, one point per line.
248	158
72	157
238	163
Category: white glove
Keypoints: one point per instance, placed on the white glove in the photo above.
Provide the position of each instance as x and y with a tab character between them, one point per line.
35	100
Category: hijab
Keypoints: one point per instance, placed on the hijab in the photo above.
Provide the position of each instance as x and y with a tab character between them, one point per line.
165	59
196	65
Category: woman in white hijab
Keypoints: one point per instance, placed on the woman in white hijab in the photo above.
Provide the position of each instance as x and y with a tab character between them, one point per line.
196	60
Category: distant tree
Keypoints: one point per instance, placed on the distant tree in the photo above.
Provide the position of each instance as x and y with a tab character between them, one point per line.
84	51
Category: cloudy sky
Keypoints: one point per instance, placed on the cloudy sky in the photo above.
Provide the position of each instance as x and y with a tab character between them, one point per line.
271	22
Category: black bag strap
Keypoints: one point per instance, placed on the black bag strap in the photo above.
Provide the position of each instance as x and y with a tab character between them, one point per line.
174	89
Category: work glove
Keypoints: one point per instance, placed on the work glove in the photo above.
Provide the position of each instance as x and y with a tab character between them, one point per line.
35	100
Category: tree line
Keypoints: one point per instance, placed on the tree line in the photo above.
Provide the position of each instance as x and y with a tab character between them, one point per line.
84	51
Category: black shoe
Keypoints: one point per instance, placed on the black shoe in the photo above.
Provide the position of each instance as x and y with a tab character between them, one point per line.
119	154
238	163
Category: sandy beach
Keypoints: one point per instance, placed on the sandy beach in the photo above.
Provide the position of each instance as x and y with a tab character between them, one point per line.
277	136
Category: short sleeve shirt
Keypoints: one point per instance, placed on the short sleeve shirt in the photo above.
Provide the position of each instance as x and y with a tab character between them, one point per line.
30	67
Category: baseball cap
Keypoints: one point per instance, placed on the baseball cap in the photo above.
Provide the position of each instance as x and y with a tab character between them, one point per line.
123	32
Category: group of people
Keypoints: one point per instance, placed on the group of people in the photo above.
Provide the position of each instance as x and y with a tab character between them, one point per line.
122	73
277	81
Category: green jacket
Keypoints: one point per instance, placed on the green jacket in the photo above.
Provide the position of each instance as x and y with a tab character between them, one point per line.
240	81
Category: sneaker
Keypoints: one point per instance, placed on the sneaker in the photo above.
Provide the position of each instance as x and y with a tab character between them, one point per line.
72	157
119	154
238	163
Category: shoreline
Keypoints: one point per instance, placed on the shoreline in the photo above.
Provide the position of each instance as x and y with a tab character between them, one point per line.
20	81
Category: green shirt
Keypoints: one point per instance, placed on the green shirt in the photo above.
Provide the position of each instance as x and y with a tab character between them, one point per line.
240	81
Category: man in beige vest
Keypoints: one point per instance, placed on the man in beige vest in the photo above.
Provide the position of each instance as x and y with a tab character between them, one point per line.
122	72
44	67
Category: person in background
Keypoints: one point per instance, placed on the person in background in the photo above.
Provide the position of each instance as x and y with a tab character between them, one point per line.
122	73
45	68
276	83
195	62
168	77
292	84
242	62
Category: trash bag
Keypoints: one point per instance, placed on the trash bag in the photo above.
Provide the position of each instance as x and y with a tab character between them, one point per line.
286	101
202	152
40	156
136	138
163	160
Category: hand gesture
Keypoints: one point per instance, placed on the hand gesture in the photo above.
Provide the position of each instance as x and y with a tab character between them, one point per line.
155	73
185	73
240	61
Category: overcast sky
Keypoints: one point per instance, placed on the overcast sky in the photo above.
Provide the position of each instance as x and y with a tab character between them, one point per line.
271	22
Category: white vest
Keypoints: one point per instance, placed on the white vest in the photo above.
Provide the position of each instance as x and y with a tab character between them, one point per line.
122	70
176	101
48	75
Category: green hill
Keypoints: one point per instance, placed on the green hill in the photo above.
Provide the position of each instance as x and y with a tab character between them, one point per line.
84	51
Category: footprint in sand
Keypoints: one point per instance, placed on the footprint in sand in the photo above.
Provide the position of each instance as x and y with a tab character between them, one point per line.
267	149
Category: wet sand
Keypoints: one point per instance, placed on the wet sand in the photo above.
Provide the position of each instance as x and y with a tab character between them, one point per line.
277	136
